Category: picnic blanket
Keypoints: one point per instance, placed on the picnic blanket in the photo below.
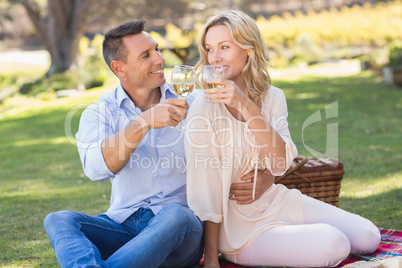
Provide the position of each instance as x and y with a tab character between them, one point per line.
390	246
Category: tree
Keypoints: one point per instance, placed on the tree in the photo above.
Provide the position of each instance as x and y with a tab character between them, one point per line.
60	25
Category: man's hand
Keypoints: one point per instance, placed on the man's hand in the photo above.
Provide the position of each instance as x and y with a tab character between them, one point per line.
167	113
243	192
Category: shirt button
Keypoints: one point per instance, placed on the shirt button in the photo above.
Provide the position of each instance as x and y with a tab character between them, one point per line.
158	138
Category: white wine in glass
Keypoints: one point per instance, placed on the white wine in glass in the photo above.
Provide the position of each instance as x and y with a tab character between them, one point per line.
212	72
183	89
183	83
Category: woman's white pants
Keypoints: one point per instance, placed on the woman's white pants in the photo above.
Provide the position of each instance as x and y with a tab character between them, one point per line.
326	238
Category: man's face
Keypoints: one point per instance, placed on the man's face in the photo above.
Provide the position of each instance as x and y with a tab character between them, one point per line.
144	63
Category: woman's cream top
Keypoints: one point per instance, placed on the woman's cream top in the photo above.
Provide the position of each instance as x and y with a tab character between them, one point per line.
220	150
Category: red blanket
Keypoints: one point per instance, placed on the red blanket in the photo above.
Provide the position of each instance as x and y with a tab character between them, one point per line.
390	246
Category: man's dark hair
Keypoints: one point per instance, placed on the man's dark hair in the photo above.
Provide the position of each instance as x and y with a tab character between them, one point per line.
113	47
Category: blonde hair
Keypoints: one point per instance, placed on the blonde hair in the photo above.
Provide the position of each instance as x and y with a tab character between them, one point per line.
246	35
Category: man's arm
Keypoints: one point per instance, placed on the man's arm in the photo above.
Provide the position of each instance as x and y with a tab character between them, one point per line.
117	148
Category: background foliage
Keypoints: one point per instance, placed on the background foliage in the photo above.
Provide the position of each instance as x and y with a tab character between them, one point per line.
332	34
362	31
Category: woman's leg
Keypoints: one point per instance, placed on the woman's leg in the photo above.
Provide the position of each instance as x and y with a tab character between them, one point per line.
211	235
327	237
363	235
310	245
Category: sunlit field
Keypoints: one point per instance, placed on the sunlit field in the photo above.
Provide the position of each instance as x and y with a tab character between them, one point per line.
41	170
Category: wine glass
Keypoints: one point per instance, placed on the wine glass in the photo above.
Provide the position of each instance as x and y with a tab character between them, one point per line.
183	83
212	72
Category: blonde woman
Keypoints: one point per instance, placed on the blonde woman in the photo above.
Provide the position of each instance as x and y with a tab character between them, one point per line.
238	133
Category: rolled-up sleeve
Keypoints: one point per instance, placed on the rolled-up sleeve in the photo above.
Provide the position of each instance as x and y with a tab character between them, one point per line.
93	128
279	122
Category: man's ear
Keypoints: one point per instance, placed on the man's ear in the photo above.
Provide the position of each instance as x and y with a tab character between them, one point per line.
118	68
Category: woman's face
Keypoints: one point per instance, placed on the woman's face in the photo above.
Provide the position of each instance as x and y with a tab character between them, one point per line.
223	50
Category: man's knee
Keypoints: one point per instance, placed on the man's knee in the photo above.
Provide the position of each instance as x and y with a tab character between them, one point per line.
180	215
189	252
56	220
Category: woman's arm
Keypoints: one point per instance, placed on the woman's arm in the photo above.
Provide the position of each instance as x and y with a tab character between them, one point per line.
269	141
242	192
267	138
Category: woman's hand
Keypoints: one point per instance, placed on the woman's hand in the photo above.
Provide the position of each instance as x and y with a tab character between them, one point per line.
242	192
227	93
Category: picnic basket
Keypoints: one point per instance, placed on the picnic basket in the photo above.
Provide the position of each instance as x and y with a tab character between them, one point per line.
316	177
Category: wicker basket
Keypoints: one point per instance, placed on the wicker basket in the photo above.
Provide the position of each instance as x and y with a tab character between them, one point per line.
316	177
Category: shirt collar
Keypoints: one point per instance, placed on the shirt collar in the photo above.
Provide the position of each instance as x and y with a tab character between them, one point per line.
166	92
121	95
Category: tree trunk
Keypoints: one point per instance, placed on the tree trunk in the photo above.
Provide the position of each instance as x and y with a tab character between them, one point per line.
60	30
183	53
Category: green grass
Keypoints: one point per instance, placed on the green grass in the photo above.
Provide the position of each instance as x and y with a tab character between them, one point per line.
369	141
41	171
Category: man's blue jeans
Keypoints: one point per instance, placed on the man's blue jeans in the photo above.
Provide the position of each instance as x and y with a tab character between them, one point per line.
172	238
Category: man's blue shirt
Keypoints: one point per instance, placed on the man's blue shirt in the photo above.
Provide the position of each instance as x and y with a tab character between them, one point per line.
156	172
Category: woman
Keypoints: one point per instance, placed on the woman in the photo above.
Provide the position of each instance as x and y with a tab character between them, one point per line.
241	127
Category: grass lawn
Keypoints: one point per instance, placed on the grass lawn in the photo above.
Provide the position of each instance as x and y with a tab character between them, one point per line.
369	126
41	170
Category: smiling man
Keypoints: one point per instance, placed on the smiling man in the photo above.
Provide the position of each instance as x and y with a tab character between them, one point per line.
121	138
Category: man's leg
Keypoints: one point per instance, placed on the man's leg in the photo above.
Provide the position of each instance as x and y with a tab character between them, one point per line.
173	238
83	240
190	251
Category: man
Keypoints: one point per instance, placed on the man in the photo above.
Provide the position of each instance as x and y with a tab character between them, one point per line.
148	223
125	137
